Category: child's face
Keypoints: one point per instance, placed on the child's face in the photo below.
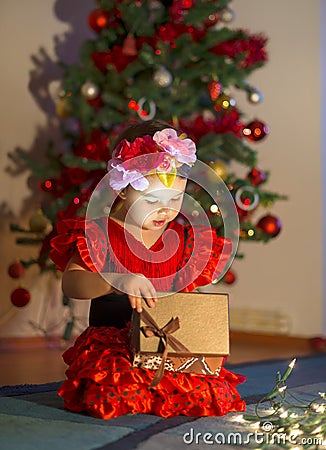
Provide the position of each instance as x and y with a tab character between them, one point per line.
154	207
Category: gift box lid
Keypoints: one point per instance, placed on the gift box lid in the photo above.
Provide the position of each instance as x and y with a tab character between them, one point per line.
203	320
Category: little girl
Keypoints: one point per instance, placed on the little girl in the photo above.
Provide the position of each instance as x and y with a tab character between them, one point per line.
130	256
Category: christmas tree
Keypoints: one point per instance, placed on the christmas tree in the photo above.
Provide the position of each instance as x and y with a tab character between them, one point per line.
177	60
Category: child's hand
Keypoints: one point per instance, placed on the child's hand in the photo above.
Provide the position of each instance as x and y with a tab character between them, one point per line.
138	287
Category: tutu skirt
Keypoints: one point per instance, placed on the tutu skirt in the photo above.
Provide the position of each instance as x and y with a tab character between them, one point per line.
102	382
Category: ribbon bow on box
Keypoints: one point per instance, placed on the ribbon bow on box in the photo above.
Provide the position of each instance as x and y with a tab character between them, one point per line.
152	329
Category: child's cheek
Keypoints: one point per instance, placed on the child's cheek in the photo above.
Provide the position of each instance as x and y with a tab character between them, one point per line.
146	211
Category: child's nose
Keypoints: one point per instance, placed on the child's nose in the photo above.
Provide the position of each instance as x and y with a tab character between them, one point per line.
163	210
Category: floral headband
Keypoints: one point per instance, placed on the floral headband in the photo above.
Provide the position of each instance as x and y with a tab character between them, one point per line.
161	154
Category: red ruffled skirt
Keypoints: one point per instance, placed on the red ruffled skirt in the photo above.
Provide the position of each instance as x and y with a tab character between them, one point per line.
102	382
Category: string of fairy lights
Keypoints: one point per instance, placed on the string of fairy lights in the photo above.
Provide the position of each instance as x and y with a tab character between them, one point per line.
286	419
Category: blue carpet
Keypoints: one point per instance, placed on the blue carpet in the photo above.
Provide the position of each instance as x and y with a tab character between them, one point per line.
32	416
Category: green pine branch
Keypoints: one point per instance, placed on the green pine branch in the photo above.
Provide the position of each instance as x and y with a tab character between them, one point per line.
201	10
227	147
70	160
18	229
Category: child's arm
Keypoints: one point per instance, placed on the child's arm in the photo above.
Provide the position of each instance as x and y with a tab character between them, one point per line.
78	282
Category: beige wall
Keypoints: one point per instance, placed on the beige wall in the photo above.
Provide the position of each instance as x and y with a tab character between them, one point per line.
45	30
284	276
323	146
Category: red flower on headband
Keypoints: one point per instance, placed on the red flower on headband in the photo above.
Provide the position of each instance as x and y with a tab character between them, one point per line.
140	146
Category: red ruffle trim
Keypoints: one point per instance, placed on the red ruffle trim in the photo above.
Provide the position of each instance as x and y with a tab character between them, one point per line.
199	258
205	256
102	382
72	236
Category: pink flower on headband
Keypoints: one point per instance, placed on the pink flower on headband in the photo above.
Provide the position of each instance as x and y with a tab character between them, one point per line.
162	153
120	177
166	163
184	150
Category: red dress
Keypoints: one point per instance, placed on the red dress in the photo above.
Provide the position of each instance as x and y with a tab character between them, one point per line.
101	380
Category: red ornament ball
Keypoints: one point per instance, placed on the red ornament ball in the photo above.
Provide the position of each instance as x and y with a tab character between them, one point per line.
99	19
229	277
20	297
241	212
16	270
271	225
255	130
318	343
256	176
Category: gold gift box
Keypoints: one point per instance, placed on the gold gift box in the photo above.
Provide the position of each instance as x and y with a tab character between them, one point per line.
192	328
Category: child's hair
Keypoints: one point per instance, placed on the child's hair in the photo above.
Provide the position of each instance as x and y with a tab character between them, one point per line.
149	127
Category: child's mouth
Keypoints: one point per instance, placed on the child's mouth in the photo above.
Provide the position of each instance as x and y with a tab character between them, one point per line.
159	223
